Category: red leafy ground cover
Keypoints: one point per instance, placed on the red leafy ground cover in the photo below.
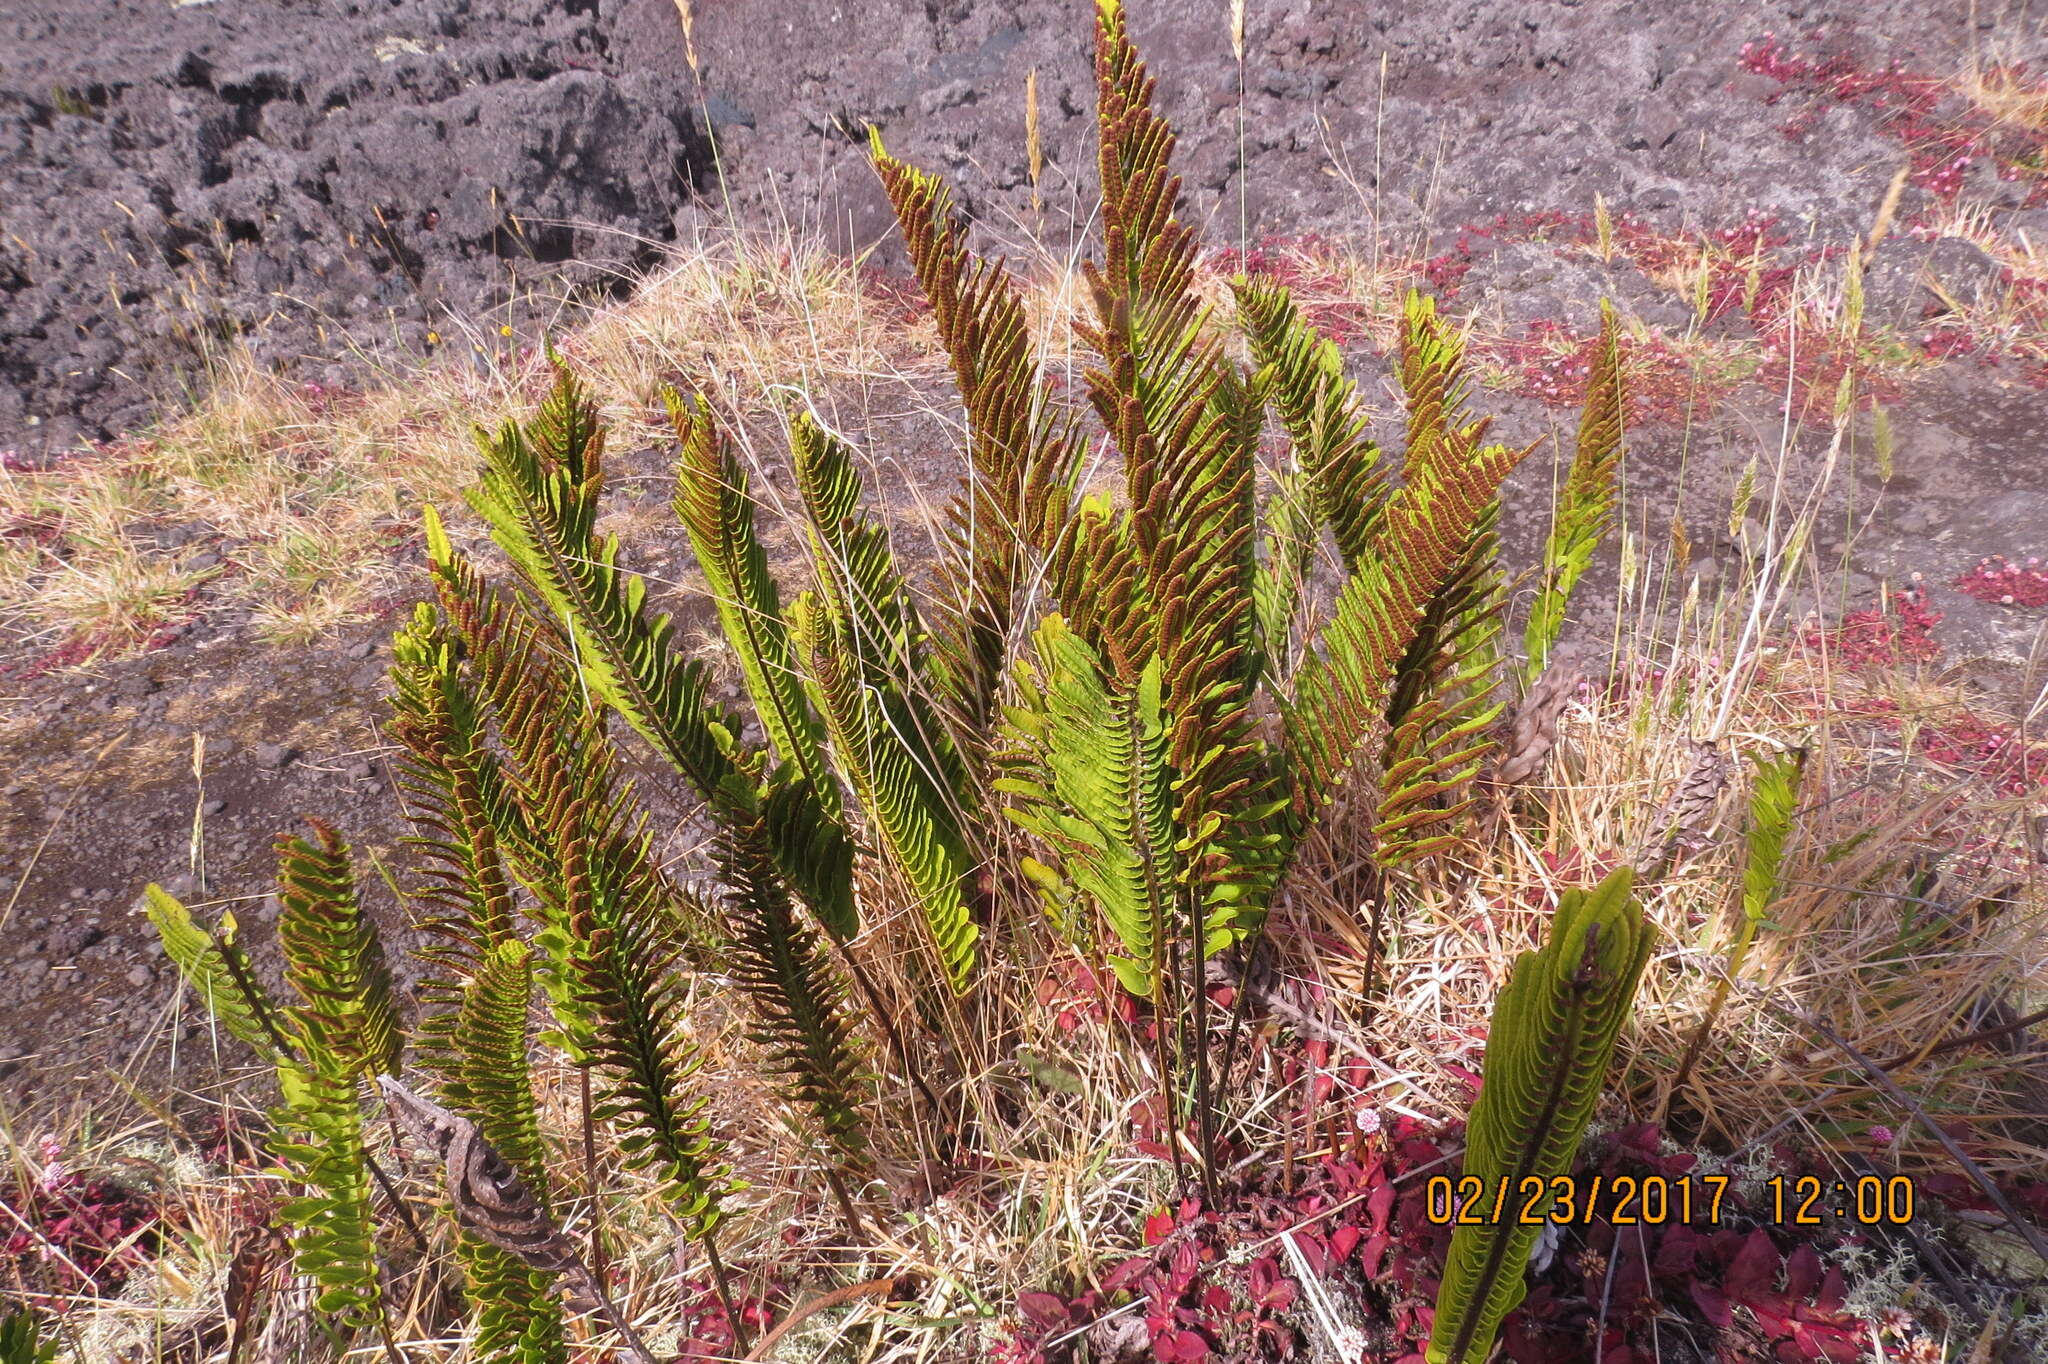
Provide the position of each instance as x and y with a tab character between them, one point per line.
1354	1227
1998	581
69	1233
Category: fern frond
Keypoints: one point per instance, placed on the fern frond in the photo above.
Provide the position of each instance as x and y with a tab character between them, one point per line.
1585	508
1286	547
1092	780
1021	456
1547	1053
558	757
863	645
878	741
1443	706
714	508
346	1027
539	494
799	1005
218	972
1319	407
809	831
1419	541
334	959
518	1316
622	963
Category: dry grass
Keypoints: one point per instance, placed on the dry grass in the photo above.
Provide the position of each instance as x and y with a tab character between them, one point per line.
300	493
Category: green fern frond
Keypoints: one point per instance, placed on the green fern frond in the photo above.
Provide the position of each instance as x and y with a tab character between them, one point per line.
539	493
1547	1052
809	831
1320	409
518	1317
1091	779
319	1141
799	1005
863	643
1773	800
879	741
714	508
622	963
1585	508
346	1027
334	959
1423	535
1286	548
218	972
1021	455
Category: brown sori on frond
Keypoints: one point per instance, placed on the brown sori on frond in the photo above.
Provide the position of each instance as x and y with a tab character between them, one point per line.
800	1012
1585	508
1440	716
1149	255
333	958
1020	451
558	752
1326	422
1449	484
449	782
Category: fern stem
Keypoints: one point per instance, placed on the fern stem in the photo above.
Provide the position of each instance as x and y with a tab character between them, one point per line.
598	1253
722	1285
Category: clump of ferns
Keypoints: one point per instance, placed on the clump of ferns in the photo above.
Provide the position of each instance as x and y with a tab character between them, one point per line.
1111	709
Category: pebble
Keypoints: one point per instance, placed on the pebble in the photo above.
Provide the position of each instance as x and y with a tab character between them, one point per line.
272	757
141	977
214	806
362	650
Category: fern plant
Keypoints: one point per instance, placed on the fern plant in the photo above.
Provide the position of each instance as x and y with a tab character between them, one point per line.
1131	708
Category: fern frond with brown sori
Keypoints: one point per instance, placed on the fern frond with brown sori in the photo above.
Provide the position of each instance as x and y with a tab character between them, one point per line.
1440	715
713	505
333	958
799	1005
1585	508
1419	541
459	891
539	493
1148	254
1319	407
1021	454
1188	430
558	755
623	964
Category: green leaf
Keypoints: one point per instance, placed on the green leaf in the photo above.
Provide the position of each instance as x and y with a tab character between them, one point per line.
217	972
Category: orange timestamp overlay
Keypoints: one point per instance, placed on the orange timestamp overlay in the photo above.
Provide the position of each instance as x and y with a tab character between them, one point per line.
1655	1200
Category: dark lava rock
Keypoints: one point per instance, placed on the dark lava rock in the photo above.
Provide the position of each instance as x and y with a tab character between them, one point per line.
1902	275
